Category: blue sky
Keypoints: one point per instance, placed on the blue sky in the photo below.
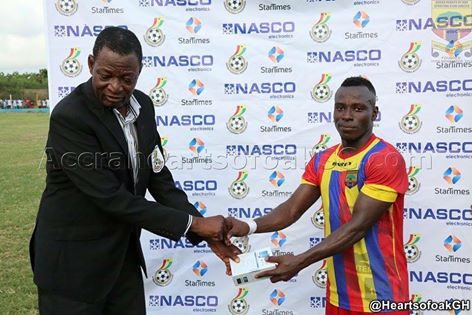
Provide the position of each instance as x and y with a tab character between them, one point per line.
22	38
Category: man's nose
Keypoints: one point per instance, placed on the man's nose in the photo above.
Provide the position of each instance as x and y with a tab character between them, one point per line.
115	85
347	114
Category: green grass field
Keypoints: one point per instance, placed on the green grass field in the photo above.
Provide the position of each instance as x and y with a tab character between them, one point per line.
22	178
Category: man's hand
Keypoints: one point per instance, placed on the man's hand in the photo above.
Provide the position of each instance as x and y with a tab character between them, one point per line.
287	267
212	228
225	253
235	228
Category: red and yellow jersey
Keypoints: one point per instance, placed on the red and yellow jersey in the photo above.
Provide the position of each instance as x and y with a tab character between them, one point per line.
375	267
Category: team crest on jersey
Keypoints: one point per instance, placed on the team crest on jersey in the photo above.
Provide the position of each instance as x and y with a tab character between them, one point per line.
351	179
157	94
320	31
237	63
320	277
154	35
410	61
66	7
410	123
321	92
239	305
235	6
163	276
412	252
238	188
317	219
71	66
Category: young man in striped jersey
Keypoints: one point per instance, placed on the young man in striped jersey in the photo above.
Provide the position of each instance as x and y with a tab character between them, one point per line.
362	182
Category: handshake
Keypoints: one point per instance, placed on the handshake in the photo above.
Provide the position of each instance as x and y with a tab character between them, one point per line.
218	228
217	231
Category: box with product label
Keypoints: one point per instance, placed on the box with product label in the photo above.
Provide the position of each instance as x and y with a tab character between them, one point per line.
251	264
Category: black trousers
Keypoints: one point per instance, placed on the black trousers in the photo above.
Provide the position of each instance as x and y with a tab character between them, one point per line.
126	297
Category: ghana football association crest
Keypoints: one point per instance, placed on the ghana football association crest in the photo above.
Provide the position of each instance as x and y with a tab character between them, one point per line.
412	251
71	66
237	63
410	61
157	94
163	276
66	7
320	277
154	35
321	145
413	183
320	31
238	305
317	219
235	6
237	123
410	123
238	188
321	92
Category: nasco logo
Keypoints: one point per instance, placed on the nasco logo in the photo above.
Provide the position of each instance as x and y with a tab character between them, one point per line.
277	89
278	29
81	30
256	212
435	87
189	5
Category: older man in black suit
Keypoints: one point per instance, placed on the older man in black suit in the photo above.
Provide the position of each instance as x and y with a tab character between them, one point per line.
103	153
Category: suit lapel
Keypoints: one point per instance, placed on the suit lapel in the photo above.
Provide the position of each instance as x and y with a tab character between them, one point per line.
141	131
106	116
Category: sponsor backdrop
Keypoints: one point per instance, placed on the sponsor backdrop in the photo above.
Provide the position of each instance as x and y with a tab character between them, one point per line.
243	92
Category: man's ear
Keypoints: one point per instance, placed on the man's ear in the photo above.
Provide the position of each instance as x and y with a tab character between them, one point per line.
91	62
375	113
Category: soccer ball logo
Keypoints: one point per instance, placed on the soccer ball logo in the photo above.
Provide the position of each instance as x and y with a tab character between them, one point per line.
238	188
163	276
66	7
157	94
238	305
413	185
154	35
242	243
71	66
235	6
318	218
321	92
320	32
410	62
236	123
321	145
412	251
320	277
410	124
237	63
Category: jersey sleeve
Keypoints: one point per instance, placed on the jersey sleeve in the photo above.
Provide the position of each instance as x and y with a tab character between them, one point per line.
386	176
309	176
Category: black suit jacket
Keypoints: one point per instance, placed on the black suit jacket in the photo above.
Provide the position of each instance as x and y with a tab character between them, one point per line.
91	209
